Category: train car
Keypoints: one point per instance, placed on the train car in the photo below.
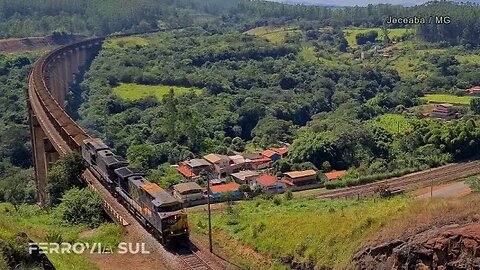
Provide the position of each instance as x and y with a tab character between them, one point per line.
99	156
159	211
107	163
90	147
155	207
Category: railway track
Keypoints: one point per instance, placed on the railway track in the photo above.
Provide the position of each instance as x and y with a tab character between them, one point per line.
191	259
438	175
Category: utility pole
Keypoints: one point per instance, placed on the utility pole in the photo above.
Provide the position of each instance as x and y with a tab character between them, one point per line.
431	186
209	217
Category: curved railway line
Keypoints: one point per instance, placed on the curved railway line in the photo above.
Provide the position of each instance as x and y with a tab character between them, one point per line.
438	175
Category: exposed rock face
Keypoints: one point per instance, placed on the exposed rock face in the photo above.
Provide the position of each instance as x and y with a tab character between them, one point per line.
452	247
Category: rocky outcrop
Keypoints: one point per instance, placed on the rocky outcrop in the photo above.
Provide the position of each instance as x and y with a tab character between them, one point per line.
453	247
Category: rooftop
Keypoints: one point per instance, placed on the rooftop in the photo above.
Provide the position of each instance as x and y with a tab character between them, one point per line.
269	153
299	174
260	160
266	180
282	151
230	187
214	158
253	156
197	162
244	174
185	171
335	175
183	187
237	159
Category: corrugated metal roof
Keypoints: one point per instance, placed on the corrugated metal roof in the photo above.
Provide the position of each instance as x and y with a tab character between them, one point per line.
214	158
198	162
299	174
183	187
242	175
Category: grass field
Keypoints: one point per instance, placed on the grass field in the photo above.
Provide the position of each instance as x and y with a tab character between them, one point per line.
38	224
323	232
350	33
274	35
308	230
442	98
131	91
128	42
410	66
394	123
307	54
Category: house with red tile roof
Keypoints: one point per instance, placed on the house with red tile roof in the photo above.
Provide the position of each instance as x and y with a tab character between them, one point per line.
283	151
256	161
192	168
186	172
272	155
334	175
268	183
218	191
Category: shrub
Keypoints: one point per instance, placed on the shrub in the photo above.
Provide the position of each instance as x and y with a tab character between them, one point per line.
54	237
65	174
277	201
288	195
80	206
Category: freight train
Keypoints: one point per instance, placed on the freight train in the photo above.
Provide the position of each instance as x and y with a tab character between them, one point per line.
160	212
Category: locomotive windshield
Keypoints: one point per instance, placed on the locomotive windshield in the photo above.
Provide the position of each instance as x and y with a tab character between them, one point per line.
169	208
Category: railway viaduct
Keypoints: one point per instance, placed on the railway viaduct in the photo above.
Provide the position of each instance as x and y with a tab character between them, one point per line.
55	133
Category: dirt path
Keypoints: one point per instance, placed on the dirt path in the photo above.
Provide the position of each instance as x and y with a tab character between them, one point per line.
455	189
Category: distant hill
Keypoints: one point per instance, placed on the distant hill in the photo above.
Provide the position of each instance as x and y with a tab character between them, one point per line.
359	2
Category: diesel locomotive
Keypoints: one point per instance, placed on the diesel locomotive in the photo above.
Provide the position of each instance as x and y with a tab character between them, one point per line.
159	211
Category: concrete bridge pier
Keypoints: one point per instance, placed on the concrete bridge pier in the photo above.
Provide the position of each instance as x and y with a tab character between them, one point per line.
44	157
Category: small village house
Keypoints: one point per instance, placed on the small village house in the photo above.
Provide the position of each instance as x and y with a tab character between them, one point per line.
216	192
272	155
268	183
443	111
282	151
237	163
244	177
257	161
187	192
220	163
335	175
191	169
301	178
